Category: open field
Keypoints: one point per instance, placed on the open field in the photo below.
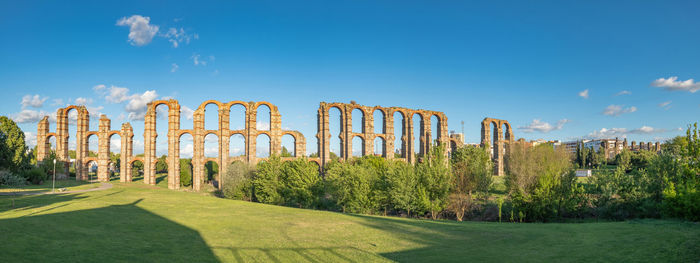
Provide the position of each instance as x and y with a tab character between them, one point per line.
136	222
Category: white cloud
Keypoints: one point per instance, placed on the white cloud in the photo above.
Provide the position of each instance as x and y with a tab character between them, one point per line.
176	36
138	103
623	132
141	32
187	112
617	110
83	101
665	105
174	67
99	88
32	101
117	94
196	59
583	94
262	126
32	116
543	127
624	92
673	84
30	139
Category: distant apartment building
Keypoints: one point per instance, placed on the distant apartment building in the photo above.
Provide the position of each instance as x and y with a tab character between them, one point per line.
611	147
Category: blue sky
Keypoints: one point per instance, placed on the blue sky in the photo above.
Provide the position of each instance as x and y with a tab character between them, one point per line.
553	70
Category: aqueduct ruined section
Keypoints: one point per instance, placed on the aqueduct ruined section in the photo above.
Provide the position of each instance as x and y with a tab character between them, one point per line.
368	135
500	141
249	132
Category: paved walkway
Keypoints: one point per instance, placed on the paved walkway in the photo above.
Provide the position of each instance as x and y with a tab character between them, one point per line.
103	186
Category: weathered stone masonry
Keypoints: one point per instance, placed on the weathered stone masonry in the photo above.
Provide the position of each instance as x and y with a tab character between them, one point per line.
224	133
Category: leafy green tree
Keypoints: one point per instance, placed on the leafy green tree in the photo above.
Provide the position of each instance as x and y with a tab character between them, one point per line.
211	170
350	187
162	164
185	172
301	183
472	168
435	179
238	181
12	146
403	187
266	183
286	153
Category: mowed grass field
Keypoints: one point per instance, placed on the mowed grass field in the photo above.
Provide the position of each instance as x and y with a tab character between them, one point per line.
139	223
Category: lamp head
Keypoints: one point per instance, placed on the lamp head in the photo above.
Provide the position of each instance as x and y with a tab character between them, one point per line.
54	161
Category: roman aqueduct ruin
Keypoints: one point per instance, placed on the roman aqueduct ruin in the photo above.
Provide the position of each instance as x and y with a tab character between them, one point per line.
250	133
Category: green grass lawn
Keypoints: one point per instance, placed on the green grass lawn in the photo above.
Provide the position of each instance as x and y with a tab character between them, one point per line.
69	184
140	223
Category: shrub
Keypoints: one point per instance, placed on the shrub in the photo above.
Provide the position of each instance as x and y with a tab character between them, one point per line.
435	179
350	187
10	179
238	182
185	172
35	175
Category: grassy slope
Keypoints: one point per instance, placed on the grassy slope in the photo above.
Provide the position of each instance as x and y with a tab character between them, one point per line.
134	222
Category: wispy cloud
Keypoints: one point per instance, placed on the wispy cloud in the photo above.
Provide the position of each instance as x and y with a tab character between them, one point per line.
673	84
583	94
624	92
544	127
617	110
174	67
623	132
665	105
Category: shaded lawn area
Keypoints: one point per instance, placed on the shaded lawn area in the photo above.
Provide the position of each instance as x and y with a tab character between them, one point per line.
69	184
136	222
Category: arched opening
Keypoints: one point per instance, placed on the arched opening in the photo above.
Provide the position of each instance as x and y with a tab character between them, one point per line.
236	119
262	119
92	170
161	130
72	114
211	117
378	117
186	142
358	121
494	138
262	146
506	131
161	167
417	134
186	118
379	147
93	144
288	146
211	146
186	172
399	131
137	170
211	173
115	146
335	128
236	146
434	130
358	146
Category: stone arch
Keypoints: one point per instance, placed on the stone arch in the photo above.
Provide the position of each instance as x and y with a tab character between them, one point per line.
358	116
417	134
262	124
289	143
380	146
379	120
400	134
260	151
232	107
359	151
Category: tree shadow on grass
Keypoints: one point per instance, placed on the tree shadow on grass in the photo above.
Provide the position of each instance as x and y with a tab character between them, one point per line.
125	233
446	241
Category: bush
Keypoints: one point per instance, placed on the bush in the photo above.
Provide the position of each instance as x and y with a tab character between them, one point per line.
185	172
349	186
35	175
9	179
238	182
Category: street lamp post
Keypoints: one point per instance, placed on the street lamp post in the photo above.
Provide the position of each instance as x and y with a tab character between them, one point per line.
53	187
